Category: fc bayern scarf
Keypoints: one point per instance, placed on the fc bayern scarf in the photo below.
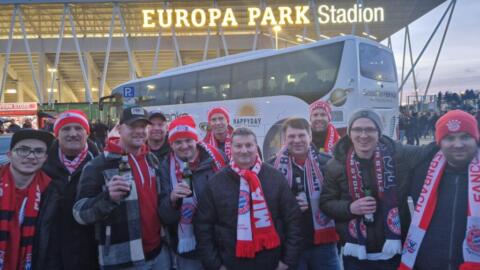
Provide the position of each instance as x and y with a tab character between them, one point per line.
324	227
332	138
210	139
255	228
387	193
425	208
72	165
186	237
27	216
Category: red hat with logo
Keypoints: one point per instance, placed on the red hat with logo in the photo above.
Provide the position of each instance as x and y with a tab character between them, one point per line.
181	128
456	121
221	110
320	104
70	117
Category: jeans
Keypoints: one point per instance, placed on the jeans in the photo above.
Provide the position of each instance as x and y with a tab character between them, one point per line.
188	264
320	257
352	263
161	262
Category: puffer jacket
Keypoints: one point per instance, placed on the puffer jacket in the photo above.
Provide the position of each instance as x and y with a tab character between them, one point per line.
170	215
75	246
216	222
335	199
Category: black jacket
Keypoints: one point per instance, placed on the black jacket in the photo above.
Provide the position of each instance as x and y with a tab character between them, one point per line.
216	221
73	245
170	215
162	153
335	199
441	247
306	217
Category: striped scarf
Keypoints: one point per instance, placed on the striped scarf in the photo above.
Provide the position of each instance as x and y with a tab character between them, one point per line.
332	138
425	208
186	237
255	228
27	217
72	165
323	226
210	139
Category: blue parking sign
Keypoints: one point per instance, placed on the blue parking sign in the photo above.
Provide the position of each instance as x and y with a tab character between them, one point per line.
128	91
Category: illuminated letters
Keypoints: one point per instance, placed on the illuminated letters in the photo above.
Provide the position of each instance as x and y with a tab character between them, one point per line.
147	19
330	14
268	16
253	14
203	17
285	13
300	17
214	14
229	17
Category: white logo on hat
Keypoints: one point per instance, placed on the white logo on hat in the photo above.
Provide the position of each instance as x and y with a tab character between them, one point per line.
453	125
138	111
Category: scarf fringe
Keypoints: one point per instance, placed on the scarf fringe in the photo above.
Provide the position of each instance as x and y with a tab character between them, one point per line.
392	247
469	266
266	241
355	250
326	236
404	267
186	245
244	250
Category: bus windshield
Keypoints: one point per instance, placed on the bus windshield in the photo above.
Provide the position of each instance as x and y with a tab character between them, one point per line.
377	63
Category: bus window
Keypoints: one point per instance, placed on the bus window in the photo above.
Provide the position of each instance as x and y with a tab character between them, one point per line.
184	88
377	63
214	84
247	79
309	74
156	92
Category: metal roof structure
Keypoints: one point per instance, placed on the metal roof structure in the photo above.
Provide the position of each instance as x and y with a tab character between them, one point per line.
86	64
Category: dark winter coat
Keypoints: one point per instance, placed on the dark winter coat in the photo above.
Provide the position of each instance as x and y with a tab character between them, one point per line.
335	199
74	244
216	221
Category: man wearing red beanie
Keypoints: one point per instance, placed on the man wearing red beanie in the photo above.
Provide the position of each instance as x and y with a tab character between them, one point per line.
445	225
75	246
184	174
220	133
324	134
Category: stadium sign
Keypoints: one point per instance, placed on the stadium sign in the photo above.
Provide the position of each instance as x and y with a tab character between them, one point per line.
269	16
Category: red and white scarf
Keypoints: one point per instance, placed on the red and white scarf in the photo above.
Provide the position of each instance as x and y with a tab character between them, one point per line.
425	208
210	139
27	217
323	226
255	227
186	237
72	165
387	193
331	140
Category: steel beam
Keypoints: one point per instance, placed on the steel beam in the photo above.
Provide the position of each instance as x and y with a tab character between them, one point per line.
103	82
7	57
57	55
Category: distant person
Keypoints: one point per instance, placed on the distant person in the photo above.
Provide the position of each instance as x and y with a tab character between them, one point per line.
27	123
99	131
157	135
324	134
220	133
13	127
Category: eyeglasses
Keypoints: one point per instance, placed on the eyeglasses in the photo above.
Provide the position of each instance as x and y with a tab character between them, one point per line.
368	130
25	152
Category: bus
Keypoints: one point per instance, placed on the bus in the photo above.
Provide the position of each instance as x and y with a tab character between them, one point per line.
263	88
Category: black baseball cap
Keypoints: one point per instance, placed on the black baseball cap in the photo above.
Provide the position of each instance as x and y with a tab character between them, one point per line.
29	133
156	113
133	114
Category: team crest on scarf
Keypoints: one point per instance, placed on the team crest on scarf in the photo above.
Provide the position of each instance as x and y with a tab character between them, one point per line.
473	239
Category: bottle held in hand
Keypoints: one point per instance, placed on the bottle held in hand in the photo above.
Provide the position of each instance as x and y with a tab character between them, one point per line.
368	218
187	177
125	171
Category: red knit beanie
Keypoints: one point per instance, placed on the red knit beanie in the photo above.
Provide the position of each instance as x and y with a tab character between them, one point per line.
320	104
181	128
456	121
69	117
221	110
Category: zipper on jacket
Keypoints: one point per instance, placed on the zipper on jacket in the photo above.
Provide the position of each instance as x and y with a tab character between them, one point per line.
450	246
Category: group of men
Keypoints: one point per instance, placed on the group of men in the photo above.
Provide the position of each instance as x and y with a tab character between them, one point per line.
159	197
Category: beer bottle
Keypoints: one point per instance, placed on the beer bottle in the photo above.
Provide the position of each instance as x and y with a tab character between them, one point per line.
300	191
368	218
125	171
187	177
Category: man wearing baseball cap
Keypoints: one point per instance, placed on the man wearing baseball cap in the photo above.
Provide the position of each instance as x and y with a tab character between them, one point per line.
26	204
324	134
184	175
75	245
157	135
365	189
220	133
445	225
124	208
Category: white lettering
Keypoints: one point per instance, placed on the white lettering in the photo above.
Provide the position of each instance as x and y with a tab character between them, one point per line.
203	17
161	18
323	16
147	18
229	17
253	14
268	16
300	15
181	18
214	14
285	14
262	218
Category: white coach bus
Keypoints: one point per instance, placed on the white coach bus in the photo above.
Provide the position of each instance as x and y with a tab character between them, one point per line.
263	88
